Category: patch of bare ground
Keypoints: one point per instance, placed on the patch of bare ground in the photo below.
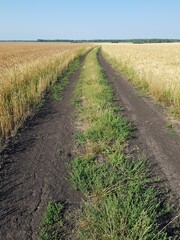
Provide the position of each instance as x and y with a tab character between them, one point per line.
155	134
34	168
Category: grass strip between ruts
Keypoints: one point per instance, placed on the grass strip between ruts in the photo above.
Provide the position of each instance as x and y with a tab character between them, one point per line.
120	199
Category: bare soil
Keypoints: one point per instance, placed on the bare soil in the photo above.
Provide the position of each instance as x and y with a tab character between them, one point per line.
153	134
34	168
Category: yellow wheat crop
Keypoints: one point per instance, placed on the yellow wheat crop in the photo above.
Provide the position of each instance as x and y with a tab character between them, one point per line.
155	67
26	70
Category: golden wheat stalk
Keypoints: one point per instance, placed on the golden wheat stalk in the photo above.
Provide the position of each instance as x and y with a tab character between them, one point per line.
154	67
28	70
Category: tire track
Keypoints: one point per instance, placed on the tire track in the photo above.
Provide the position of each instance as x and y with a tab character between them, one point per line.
35	168
152	135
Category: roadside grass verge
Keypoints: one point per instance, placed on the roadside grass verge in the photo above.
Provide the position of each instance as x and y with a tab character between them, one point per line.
63	79
121	200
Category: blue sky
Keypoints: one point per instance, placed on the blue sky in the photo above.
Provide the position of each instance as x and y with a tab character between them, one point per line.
89	19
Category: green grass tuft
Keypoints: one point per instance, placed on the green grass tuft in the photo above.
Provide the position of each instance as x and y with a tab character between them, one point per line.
52	221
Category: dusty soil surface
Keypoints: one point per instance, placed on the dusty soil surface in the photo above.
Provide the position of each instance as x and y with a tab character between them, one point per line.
34	170
159	142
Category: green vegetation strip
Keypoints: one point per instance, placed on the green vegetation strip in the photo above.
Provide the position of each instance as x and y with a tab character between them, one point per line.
120	199
63	79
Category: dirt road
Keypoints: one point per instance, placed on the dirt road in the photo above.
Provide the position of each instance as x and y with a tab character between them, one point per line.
34	170
154	134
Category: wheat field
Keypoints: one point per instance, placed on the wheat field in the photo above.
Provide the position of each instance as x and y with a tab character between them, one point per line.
154	67
26	71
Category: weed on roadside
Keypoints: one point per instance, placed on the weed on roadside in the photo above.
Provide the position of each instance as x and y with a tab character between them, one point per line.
52	221
171	127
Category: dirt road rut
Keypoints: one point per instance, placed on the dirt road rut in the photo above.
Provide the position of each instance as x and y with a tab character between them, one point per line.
35	169
154	137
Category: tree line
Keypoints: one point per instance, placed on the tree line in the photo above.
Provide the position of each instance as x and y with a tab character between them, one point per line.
136	41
